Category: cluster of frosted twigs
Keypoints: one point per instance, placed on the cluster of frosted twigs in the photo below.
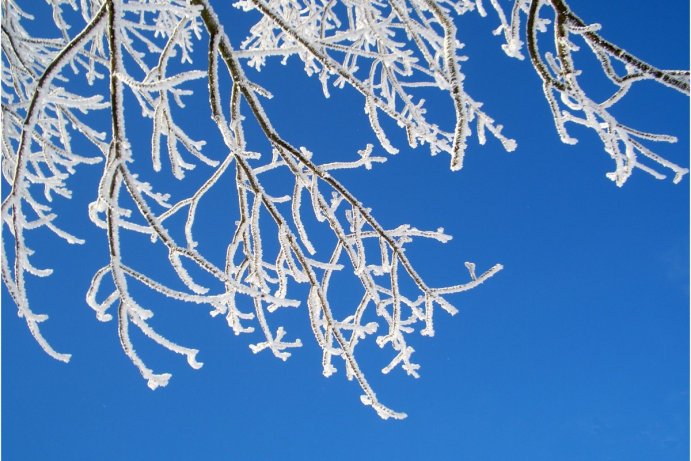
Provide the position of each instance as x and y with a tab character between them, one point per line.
385	50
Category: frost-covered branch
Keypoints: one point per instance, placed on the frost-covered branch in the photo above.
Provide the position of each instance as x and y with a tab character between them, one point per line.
34	108
329	332
130	57
369	45
567	99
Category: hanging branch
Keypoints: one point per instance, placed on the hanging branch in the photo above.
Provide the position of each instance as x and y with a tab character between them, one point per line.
385	51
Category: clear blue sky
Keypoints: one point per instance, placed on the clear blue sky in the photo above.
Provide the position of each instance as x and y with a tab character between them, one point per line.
578	350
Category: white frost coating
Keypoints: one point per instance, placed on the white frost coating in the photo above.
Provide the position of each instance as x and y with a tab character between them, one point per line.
33	67
568	100
388	52
285	25
184	275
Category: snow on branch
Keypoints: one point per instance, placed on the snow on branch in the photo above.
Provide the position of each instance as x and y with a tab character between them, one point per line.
117	56
567	99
